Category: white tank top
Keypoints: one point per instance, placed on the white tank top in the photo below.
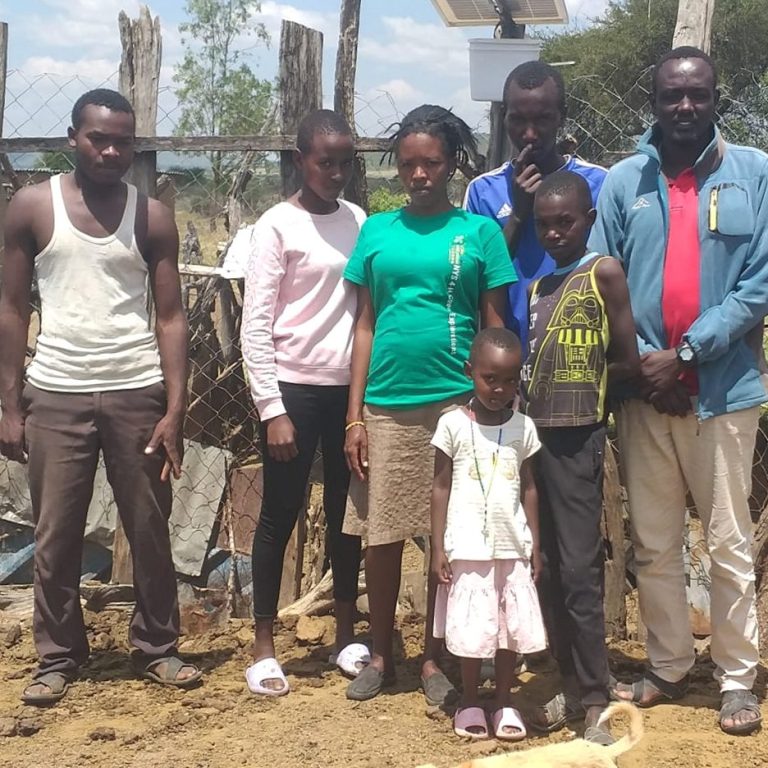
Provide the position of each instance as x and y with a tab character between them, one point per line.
94	328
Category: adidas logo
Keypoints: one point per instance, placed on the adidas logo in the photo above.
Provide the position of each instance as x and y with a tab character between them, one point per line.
504	211
641	202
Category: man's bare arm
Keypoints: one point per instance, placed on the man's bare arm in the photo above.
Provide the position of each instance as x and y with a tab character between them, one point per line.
18	265
623	358
162	254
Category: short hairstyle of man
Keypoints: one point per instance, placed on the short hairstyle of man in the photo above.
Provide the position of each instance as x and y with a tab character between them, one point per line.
561	183
533	74
501	338
683	52
100	97
324	121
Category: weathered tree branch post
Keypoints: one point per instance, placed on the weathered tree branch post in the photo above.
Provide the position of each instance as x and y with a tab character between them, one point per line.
301	87
694	24
139	83
499	147
344	92
615	560
3	73
139	80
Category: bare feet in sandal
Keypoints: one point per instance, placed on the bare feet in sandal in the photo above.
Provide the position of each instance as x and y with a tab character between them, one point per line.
186	672
556	713
594	731
650	690
46	689
739	713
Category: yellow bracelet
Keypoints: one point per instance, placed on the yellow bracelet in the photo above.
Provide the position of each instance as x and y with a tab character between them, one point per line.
354	424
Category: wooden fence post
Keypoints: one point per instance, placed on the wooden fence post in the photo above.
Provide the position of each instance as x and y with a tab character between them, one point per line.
344	92
3	73
301	87
615	560
139	77
694	24
139	80
499	147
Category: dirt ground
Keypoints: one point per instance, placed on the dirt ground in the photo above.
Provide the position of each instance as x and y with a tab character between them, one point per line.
111	720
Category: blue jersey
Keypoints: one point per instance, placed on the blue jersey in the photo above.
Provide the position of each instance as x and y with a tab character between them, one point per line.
488	195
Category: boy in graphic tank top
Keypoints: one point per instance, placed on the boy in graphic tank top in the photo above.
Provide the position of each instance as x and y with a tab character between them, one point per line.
102	380
581	335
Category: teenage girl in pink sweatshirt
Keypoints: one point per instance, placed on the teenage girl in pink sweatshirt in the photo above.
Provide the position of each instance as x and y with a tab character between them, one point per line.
297	325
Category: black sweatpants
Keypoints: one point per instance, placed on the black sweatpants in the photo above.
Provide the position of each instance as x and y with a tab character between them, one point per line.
318	413
571	588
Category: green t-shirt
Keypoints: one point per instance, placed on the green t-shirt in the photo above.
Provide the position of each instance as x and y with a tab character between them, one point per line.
425	275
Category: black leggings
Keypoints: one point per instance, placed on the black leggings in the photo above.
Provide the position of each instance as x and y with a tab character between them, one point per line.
318	413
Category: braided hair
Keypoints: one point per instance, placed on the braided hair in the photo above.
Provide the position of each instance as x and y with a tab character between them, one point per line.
459	143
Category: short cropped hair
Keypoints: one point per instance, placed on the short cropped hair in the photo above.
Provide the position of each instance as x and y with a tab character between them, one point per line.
100	97
501	338
683	52
324	121
533	74
562	183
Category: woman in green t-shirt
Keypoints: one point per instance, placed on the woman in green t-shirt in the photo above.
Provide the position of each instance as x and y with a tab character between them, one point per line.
426	274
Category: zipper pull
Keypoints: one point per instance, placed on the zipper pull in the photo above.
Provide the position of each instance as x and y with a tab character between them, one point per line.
713	194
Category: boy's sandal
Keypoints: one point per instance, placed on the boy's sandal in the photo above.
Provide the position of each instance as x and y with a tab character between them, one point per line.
556	713
734	702
57	684
597	734
368	684
266	669
170	675
660	690
439	691
508	724
351	659
467	718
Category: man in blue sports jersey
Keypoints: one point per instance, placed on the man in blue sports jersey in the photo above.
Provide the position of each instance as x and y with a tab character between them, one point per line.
534	112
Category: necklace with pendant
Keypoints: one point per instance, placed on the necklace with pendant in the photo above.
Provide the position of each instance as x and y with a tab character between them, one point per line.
486	491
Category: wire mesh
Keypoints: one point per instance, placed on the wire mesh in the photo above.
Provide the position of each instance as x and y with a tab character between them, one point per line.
217	503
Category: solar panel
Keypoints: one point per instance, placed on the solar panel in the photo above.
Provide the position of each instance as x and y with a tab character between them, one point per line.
468	13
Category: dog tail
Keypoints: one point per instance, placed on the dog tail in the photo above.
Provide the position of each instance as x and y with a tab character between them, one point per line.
634	733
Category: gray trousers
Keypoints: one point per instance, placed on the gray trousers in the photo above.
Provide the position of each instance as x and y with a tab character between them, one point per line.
65	433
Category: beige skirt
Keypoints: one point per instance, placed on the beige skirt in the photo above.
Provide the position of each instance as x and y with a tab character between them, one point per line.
393	503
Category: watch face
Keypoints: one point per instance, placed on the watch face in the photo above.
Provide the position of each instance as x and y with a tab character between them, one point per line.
685	354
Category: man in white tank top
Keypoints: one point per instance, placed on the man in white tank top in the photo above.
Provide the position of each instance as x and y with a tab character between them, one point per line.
100	380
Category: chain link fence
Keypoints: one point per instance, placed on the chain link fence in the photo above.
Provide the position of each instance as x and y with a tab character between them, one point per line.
217	501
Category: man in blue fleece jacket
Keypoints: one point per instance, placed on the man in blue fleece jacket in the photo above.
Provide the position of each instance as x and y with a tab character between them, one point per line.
688	217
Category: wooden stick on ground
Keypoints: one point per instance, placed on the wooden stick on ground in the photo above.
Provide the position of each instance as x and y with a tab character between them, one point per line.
319	600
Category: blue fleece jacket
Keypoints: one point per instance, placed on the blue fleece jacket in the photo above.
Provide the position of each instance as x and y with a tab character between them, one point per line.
633	225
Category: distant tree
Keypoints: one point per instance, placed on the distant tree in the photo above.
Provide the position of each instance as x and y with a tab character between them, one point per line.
384	199
218	92
609	81
61	162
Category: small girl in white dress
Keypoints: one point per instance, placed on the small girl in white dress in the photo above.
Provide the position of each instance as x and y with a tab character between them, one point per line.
485	534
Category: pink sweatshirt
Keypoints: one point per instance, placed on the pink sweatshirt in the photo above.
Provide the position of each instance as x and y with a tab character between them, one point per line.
298	311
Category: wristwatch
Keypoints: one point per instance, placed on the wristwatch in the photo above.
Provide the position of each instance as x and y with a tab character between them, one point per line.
685	354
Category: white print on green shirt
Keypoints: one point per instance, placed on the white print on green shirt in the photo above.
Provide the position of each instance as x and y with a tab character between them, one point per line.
455	252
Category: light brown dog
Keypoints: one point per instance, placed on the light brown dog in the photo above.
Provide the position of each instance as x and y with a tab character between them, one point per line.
570	754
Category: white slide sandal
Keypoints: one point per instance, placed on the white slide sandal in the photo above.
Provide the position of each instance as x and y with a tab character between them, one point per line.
266	669
351	659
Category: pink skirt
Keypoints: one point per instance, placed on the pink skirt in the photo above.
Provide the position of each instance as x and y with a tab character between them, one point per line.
489	605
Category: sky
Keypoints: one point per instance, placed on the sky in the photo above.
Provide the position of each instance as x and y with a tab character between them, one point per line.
407	56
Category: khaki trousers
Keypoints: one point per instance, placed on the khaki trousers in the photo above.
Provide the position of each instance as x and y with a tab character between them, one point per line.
663	456
65	433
